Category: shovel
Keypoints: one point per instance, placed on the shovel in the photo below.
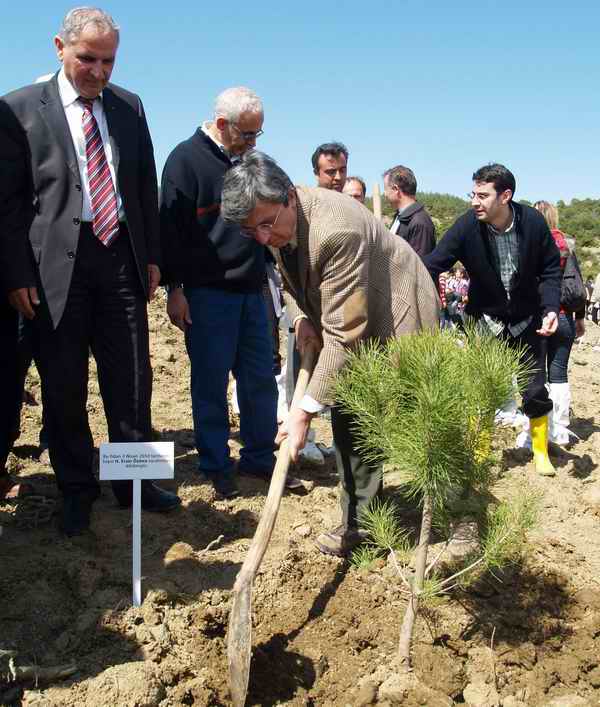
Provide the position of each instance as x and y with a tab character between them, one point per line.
239	635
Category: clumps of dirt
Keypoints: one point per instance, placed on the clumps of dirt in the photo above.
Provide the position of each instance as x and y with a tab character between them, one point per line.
324	633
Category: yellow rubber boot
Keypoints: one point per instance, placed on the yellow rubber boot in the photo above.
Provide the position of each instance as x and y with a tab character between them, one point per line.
539	446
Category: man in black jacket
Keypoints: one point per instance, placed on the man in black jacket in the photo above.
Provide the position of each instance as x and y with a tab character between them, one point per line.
515	276
411	221
214	276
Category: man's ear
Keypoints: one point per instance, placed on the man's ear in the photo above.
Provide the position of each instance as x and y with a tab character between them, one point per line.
60	46
507	195
221	123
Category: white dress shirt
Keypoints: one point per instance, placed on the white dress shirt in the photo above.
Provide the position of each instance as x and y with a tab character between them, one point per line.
74	114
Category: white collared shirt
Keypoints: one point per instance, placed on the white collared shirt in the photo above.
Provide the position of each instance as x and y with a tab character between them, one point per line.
206	130
74	114
396	222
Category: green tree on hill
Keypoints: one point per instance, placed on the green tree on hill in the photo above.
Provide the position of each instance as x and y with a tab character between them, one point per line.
579	219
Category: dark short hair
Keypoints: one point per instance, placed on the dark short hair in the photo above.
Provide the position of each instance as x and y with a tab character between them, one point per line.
498	175
361	181
335	149
402	177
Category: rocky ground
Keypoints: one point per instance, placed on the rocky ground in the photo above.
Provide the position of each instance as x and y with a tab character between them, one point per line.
325	633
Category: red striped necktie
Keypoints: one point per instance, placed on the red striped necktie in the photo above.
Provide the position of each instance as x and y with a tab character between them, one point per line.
105	215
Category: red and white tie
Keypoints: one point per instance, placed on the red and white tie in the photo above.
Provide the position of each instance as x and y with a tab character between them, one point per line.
105	215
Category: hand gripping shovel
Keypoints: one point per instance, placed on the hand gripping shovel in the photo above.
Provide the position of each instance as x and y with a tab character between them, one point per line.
239	636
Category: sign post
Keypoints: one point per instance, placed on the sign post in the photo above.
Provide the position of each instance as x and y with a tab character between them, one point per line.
124	461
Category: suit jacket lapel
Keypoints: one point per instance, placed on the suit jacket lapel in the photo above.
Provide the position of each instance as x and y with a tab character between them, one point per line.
53	113
114	126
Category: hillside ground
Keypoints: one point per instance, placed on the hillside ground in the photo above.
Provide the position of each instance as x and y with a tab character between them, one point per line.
325	633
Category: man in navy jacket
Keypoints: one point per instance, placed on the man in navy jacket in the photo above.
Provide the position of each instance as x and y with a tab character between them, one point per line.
514	269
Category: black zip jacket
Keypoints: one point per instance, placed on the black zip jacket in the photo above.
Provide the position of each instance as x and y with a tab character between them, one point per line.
535	288
417	229
199	248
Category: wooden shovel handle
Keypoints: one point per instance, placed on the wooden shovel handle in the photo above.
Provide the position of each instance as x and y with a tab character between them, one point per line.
268	516
376	201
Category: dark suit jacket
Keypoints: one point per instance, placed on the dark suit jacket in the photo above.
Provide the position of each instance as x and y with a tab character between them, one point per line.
535	289
417	229
41	192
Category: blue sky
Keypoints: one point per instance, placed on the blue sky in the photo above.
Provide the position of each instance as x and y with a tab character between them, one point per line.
442	87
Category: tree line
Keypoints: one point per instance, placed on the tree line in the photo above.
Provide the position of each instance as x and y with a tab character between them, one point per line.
579	219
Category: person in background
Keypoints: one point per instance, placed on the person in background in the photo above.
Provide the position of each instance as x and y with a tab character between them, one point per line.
589	288
514	287
411	220
570	326
330	165
356	188
457	291
596	299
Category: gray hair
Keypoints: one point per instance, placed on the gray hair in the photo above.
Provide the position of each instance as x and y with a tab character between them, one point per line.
77	19
256	177
232	102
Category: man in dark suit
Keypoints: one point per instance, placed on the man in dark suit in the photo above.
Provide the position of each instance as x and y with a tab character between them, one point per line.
80	222
514	291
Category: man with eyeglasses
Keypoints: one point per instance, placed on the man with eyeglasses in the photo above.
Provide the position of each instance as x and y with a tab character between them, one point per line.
347	279
514	292
214	279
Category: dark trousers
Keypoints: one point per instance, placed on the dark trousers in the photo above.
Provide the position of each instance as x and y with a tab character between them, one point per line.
536	402
559	347
360	482
105	313
10	394
29	352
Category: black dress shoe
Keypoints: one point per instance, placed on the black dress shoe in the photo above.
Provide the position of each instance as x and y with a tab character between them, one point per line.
158	500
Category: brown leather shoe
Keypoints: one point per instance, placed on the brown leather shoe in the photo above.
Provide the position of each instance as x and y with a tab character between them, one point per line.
11	490
340	541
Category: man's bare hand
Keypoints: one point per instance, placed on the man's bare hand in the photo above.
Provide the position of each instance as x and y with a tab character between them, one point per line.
298	424
178	309
153	279
579	328
24	300
306	335
549	325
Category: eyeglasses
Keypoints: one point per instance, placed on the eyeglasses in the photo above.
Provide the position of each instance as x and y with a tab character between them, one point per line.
482	196
248	135
263	229
473	196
